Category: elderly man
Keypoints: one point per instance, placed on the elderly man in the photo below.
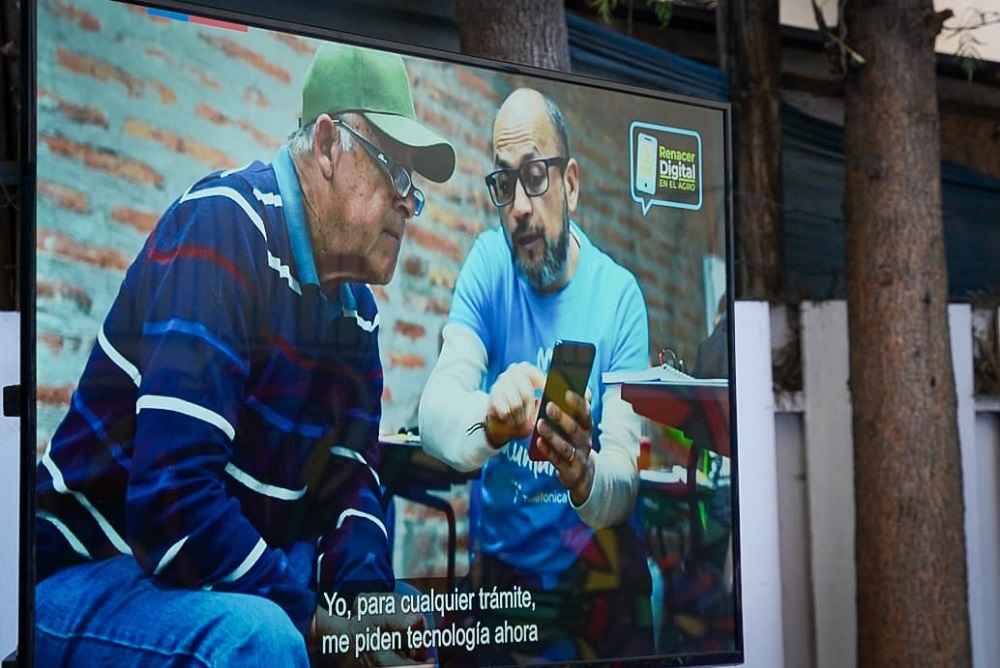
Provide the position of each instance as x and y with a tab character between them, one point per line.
565	527
213	490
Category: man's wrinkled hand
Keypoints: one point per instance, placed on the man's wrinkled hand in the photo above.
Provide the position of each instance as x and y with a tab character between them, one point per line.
513	403
570	451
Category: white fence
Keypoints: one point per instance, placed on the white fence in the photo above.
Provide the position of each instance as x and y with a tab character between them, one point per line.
796	494
10	472
815	492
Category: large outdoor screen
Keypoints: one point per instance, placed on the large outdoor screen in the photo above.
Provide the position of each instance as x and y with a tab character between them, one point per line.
266	405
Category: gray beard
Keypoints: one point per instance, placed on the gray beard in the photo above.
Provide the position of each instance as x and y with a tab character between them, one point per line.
545	273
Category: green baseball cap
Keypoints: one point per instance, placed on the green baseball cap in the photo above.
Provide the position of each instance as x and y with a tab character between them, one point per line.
374	83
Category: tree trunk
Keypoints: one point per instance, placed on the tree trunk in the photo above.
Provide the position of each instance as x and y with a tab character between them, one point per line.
531	32
750	51
912	591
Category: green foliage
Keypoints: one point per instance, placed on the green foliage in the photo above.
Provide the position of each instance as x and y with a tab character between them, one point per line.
968	66
604	7
967	49
662	8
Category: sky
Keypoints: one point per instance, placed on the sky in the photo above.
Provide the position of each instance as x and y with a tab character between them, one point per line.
799	13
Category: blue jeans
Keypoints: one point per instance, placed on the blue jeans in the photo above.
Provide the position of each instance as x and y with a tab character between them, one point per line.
110	613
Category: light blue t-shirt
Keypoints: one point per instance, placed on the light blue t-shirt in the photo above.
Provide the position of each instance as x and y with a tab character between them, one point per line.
525	516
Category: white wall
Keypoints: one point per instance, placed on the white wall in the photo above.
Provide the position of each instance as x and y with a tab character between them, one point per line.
829	457
817	548
760	563
10	467
986	539
793	527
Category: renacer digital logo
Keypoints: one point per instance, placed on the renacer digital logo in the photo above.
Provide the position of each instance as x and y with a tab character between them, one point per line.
665	166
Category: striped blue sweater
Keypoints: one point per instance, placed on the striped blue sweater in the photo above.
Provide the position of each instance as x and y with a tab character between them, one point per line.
227	410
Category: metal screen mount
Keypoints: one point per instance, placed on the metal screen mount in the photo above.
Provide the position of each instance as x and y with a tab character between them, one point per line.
12	404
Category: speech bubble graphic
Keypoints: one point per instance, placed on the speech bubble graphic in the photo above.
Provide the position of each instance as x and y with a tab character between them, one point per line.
664	166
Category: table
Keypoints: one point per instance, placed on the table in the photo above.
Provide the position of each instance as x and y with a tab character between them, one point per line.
699	408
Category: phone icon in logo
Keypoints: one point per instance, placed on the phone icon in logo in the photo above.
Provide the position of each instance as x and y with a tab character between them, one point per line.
645	164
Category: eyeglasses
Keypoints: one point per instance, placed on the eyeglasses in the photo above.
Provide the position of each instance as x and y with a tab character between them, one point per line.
533	175
401	180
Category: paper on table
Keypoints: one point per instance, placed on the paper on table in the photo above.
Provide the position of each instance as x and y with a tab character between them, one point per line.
675	474
660	374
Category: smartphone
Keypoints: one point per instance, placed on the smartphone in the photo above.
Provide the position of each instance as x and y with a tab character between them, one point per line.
645	164
569	369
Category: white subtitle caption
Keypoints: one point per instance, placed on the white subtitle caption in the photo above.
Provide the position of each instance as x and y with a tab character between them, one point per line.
378	636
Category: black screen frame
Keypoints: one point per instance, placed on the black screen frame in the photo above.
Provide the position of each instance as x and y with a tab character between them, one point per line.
26	554
292	18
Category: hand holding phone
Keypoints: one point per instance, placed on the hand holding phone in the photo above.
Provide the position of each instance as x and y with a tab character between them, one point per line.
569	370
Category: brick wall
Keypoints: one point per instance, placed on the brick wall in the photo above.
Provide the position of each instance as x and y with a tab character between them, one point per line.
132	109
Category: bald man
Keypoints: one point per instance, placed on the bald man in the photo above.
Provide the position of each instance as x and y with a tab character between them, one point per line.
565	527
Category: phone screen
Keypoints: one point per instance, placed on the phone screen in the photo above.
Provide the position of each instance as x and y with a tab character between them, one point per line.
645	165
570	369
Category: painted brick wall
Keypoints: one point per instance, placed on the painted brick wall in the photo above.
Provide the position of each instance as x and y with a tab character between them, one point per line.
132	109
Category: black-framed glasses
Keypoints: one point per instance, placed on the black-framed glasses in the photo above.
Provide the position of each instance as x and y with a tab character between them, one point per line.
401	180
533	175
